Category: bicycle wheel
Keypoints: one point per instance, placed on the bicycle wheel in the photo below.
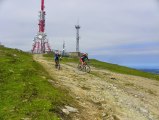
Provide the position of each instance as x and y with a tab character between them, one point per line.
56	66
87	69
79	67
84	68
59	67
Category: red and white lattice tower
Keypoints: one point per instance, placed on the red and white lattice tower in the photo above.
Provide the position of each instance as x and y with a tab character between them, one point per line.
41	44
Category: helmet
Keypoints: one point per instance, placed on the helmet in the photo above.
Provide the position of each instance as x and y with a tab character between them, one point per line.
85	54
56	52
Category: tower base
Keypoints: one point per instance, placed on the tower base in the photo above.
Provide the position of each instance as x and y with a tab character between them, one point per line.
41	44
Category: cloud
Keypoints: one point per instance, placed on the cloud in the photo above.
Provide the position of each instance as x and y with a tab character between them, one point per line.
107	26
147	48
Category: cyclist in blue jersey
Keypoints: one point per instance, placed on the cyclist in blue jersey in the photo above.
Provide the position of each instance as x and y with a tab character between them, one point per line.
57	58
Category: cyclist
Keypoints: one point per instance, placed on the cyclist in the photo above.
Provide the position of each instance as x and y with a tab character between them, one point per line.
57	58
83	58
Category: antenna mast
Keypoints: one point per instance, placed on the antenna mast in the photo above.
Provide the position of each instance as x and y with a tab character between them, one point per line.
63	51
77	37
41	44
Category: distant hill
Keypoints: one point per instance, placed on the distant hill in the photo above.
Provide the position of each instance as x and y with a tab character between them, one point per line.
155	71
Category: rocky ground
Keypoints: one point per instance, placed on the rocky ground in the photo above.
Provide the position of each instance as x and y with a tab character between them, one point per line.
105	95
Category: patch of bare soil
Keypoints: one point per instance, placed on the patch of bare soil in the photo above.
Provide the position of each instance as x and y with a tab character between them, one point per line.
105	95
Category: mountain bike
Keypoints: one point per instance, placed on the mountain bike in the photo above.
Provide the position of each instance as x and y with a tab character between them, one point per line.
84	68
57	65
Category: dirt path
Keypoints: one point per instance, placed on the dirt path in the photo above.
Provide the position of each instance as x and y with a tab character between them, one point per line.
104	95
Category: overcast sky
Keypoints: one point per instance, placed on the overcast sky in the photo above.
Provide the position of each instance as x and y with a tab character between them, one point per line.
124	32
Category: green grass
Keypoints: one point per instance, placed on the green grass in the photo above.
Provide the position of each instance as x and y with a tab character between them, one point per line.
24	88
112	67
123	70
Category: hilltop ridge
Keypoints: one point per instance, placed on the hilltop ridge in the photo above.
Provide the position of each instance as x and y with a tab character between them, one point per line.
31	88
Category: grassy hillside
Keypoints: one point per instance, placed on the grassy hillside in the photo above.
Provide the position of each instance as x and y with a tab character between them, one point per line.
24	88
112	67
122	69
